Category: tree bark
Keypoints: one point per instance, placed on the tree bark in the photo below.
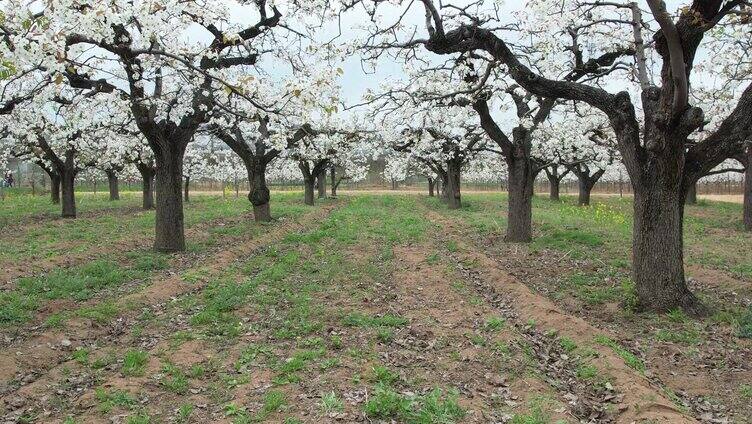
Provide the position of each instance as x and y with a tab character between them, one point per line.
520	215
586	181
55	189
170	234
748	191
309	184
321	184
691	198
657	255
583	195
259	195
333	176
186	189
454	197
147	186
553	183
67	181
430	187
113	184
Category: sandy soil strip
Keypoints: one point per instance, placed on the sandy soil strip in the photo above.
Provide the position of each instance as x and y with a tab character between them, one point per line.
641	400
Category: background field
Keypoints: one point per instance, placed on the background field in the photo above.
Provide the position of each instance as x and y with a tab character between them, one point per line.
372	306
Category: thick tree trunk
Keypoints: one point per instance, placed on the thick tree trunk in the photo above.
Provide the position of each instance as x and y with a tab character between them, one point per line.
691	198
553	184
67	181
309	184
55	189
113	184
186	189
170	234
585	188
259	195
519	221
147	187
657	255
321	184
430	187
333	175
748	193
454	197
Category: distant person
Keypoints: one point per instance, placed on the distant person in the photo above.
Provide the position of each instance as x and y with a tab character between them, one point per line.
9	179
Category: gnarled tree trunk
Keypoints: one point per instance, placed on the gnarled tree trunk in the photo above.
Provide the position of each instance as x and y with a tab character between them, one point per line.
691	198
113	185
657	248
259	195
454	197
553	184
430	187
748	191
309	184
55	189
67	182
170	234
333	175
321	184
520	216
147	185
186	189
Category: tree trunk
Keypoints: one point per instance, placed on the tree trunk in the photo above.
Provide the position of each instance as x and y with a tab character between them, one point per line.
691	198
453	185
321	184
147	187
67	181
657	255
309	184
553	184
430	187
186	189
585	187
748	192
170	234
259	195
332	174
519	221
55	189
113	183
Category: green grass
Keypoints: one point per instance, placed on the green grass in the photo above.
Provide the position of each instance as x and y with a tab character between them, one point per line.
330	402
629	358
109	400
745	324
134	363
434	407
359	319
535	416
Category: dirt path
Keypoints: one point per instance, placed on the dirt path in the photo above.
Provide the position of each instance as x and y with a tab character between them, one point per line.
26	377
638	399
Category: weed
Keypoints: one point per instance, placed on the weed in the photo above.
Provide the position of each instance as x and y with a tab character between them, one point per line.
629	358
330	402
184	413
567	344
383	375
494	324
134	363
358	319
81	356
745	324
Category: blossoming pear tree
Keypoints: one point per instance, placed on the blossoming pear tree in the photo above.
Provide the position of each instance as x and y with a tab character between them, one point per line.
656	149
